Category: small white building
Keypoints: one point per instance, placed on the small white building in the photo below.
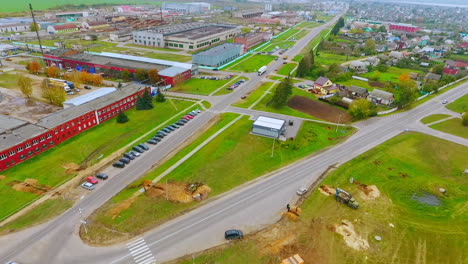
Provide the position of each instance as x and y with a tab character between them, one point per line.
79	100
18	27
269	127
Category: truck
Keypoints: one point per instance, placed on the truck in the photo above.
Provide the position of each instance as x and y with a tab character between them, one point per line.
61	84
346	198
70	84
262	70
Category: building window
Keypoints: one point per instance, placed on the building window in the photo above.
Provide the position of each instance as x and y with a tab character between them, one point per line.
36	149
35	141
19	149
42	139
56	131
49	135
51	143
44	146
68	126
11	153
30	153
61	129
3	156
27	145
22	157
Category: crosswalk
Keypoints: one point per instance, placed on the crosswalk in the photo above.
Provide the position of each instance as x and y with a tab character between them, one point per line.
140	252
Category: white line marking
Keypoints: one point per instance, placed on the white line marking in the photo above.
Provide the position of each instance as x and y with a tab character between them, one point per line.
145	255
135	241
137	245
153	260
140	250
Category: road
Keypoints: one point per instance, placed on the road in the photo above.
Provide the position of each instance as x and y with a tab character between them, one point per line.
248	207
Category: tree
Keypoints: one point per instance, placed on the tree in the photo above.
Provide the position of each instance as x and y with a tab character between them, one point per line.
34	67
96	79
122	118
141	75
382	29
52	71
33	26
54	94
75	77
375	76
431	86
403	78
382	67
282	93
126	74
84	76
304	67
465	119
406	93
160	96
369	47
119	85
25	85
362	108
94	37
333	71
153	76
144	102
438	69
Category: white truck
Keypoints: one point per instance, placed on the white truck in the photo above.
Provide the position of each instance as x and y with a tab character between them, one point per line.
262	70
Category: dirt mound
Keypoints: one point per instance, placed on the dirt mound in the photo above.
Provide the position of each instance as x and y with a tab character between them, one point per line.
71	167
327	190
274	241
352	240
123	205
319	110
29	185
370	192
2	177
177	191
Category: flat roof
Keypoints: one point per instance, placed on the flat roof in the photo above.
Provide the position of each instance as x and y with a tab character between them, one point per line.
89	96
172	71
8	123
147	60
269	122
219	49
198	33
19	134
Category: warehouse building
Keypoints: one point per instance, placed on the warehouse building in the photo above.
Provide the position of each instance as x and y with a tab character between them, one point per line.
186	8
188	36
18	27
218	55
251	39
174	75
268	127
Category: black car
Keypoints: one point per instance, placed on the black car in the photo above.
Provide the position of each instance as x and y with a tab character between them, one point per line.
118	164
157	139
174	126
160	134
138	149
183	120
180	123
170	128
152	142
166	130
233	234
129	156
124	160
143	146
87	87
102	176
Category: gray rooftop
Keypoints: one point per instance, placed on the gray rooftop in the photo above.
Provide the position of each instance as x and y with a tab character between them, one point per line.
172	71
9	123
198	33
19	134
219	49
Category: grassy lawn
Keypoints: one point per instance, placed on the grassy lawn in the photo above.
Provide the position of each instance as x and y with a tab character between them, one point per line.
391	74
225	90
311	44
459	57
235	153
253	63
153	48
326	58
407	165
200	86
357	83
452	126
433	118
254	96
37	215
284	41
9	80
83	149
287	68
460	105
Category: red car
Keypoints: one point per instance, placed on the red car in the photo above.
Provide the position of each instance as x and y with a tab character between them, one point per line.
92	180
189	116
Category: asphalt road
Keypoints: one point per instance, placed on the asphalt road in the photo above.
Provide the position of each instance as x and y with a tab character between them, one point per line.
248	207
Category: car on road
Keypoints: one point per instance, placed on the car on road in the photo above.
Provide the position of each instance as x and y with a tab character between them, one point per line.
129	156
118	164
102	176
243	97
87	185
161	134
134	153
138	149
92	180
444	102
301	191
233	234
87	87
124	160
143	146
152	142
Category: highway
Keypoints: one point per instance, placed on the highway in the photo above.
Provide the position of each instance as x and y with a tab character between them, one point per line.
249	207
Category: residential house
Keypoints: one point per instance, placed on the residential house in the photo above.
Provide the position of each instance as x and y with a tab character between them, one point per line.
392	46
70	27
413	75
380	48
449	71
356	91
373	61
94	25
358	66
396	55
324	86
380	97
432	77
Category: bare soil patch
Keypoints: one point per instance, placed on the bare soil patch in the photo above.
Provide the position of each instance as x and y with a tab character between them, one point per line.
2	177
351	238
123	205
370	192
319	110
29	185
71	167
180	192
327	190
377	84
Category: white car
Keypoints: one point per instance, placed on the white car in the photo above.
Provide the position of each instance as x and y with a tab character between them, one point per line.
87	185
301	191
444	101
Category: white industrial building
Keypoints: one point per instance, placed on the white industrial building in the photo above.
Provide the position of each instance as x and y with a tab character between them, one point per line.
186	8
88	97
269	127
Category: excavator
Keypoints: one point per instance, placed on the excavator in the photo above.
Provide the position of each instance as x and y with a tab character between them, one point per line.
346	198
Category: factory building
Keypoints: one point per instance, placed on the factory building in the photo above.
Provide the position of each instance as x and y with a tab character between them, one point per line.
251	39
188	36
218	55
404	27
186	8
18	27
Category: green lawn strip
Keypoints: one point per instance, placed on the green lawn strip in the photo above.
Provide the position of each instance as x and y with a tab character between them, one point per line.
39	214
151	48
235	154
206	104
459	57
312	44
433	118
287	68
327	58
200	86
391	74
253	96
460	105
83	149
452	126
253	63
359	83
280	78
9	80
225	90
408	164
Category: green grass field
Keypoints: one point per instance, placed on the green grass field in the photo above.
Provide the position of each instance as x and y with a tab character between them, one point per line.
83	149
232	81
235	153
22	5
391	74
452	126
284	41
287	68
152	48
200	86
254	96
433	118
311	44
357	83
252	63
407	165
8	80
460	105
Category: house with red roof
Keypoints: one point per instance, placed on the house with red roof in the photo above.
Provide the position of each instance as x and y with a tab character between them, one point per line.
69	27
324	86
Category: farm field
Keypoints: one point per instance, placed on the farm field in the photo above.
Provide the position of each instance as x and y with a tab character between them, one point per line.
200	86
235	153
452	126
252	63
416	223
433	118
61	163
460	105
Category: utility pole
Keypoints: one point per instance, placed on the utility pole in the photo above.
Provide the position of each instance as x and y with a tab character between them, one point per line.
273	147
35	28
339	120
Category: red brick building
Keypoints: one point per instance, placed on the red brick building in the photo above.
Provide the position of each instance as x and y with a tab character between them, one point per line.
174	75
251	39
404	27
21	140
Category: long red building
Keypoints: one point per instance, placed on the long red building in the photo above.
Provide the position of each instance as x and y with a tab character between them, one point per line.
404	27
20	140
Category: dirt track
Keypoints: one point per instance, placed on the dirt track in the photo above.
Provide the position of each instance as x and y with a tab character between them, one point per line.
319	110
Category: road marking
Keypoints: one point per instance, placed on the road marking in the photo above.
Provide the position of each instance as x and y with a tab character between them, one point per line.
140	252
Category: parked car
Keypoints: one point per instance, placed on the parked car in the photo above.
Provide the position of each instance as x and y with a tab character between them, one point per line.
102	176
180	123
161	134
291	123
166	130
170	128
183	120
87	87
189	116
129	156
118	164
152	142
134	153
138	149
143	146
243	97
157	139
444	102
87	185
199	111
124	160
233	234
92	180
174	125
301	191
76	90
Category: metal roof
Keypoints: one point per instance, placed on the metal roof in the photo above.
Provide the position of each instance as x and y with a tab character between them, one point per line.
149	60
269	122
19	134
219	49
89	96
8	123
172	71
